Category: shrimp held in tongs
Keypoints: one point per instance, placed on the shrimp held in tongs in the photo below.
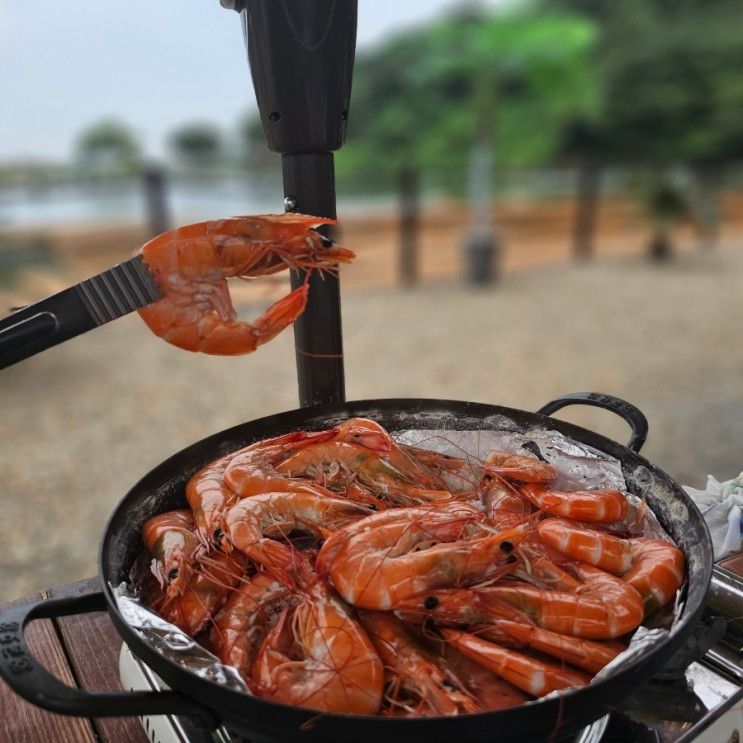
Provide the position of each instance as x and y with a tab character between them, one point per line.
191	266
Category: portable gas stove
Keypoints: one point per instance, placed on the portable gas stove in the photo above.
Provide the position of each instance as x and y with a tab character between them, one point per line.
697	697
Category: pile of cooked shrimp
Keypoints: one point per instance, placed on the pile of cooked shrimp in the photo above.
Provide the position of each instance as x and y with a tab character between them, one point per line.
341	571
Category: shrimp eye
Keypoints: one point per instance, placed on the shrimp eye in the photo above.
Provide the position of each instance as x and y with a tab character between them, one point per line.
488	478
431	602
172	573
326	242
448	685
506	547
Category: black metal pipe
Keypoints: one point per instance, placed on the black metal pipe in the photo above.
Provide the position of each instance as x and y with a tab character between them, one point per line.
309	187
301	60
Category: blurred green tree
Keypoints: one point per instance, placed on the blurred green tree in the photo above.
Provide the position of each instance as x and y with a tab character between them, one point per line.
416	97
197	145
108	148
253	143
672	93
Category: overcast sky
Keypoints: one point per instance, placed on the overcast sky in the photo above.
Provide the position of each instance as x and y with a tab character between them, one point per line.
154	64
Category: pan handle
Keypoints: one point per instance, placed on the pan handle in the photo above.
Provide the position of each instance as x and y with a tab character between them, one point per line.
27	677
634	416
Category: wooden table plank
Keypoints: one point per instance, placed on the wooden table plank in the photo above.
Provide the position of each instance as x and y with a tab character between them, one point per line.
22	722
93	647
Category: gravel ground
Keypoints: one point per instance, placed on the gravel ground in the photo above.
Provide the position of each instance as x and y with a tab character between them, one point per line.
81	423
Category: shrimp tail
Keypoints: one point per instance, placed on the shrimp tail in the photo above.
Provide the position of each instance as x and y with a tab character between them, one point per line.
191	265
236	338
587	654
531	675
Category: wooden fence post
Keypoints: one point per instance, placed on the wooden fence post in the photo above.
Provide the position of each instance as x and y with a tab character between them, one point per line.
409	225
155	183
482	244
586	210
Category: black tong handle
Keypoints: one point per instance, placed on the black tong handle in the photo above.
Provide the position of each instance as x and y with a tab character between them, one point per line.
93	302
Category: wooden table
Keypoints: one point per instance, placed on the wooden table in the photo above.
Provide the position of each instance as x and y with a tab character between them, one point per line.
82	651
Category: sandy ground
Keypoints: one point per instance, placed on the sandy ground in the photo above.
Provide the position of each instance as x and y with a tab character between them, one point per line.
81	423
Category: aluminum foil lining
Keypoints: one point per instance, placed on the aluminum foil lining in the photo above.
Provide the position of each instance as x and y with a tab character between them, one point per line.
172	642
579	467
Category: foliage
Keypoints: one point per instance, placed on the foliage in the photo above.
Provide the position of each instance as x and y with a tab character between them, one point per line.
108	148
197	145
670	75
417	98
253	141
672	94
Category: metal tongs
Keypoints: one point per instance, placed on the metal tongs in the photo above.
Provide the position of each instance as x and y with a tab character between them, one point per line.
84	306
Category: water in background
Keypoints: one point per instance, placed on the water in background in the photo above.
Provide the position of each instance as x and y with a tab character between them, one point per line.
123	201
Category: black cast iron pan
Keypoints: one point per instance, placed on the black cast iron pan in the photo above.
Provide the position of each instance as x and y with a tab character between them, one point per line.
261	720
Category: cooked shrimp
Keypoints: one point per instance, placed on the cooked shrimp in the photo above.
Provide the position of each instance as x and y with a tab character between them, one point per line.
504	505
213	577
333	464
318	657
254	469
416	685
209	493
243	622
379	561
191	266
410	475
519	468
586	654
477	608
655	568
536	566
603	606
658	571
364	451
597	548
459	476
456	607
435	460
170	539
490	691
252	523
528	674
582	505
208	496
